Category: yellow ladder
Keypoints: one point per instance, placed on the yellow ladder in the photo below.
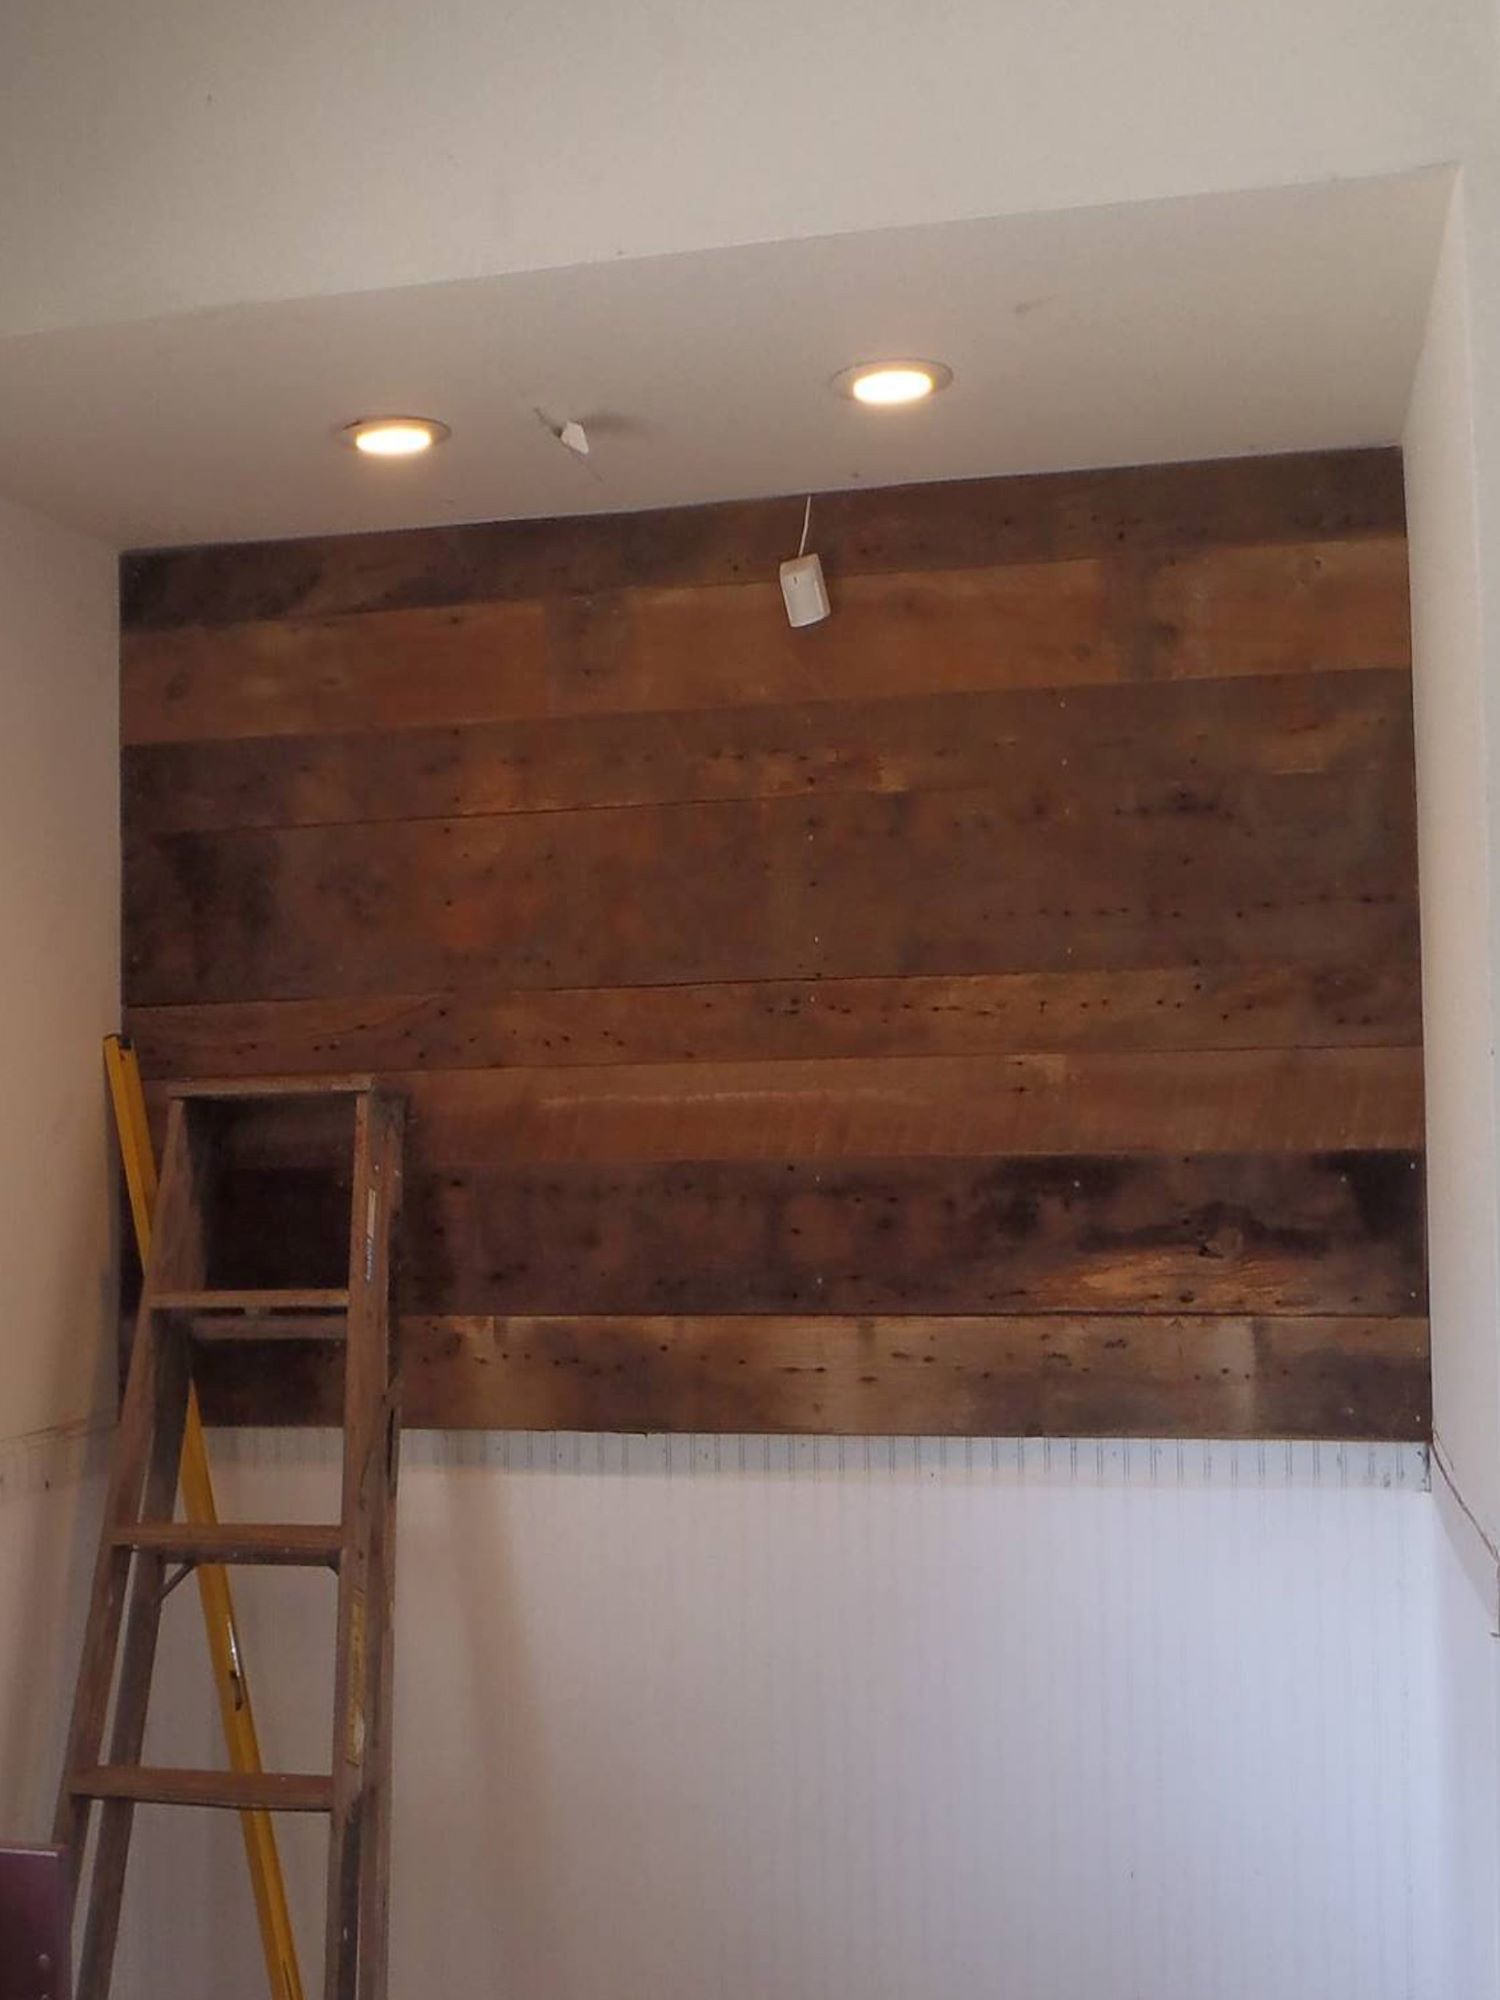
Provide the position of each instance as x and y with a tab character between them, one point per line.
261	1853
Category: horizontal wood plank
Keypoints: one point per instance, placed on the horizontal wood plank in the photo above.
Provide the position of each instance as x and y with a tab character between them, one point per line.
1278	609
396	670
1160	737
1106	1374
1332	1233
1272	1101
964	524
1261	870
637	651
1161	1007
1307	609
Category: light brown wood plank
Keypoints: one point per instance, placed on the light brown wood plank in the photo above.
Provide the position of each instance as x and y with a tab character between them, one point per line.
1276	1101
1031	626
1306	609
1162	738
1267	609
966	524
398	670
964	882
1163	1375
637	651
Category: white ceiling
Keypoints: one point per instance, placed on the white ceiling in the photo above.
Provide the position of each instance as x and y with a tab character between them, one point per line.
158	156
1200	327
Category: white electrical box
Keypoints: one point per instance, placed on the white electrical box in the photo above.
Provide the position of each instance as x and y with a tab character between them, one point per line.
805	591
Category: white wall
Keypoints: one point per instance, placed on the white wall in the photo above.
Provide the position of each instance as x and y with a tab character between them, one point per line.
159	157
59	988
1452	447
829	1720
1454	772
59	993
51	1492
1467	1753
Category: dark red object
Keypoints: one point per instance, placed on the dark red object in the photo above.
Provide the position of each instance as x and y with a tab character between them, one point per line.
33	1924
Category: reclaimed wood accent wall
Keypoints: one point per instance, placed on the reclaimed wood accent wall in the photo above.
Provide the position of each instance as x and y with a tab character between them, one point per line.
995	1010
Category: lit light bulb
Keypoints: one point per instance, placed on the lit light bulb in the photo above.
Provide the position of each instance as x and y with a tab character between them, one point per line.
887	384
395	437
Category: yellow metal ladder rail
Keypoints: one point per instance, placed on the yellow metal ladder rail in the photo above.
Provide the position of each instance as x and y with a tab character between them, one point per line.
261	1854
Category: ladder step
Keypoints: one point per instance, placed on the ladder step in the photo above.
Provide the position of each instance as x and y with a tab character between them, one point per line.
234	1791
284	1299
314	1544
349	1085
284	1314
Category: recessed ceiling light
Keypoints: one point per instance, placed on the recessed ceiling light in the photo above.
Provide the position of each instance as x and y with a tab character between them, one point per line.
885	384
394	437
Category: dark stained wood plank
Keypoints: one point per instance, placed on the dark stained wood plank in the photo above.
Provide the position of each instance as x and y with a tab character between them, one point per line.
1261	871
964	524
1039	744
1099	1375
1336	1233
1163	1007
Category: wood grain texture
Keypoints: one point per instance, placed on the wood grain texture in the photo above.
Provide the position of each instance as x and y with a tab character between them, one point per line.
1272	610
1257	870
964	524
1080	1375
1323	1233
1017	971
1313	1005
1312	608
1159	738
902	1107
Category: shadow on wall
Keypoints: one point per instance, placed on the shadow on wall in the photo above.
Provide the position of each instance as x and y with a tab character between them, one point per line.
51	1497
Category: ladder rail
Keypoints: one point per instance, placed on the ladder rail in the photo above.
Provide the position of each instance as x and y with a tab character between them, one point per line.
226	1654
142	1538
359	1831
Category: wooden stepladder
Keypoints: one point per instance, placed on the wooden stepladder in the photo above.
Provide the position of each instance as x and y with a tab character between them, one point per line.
194	1294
